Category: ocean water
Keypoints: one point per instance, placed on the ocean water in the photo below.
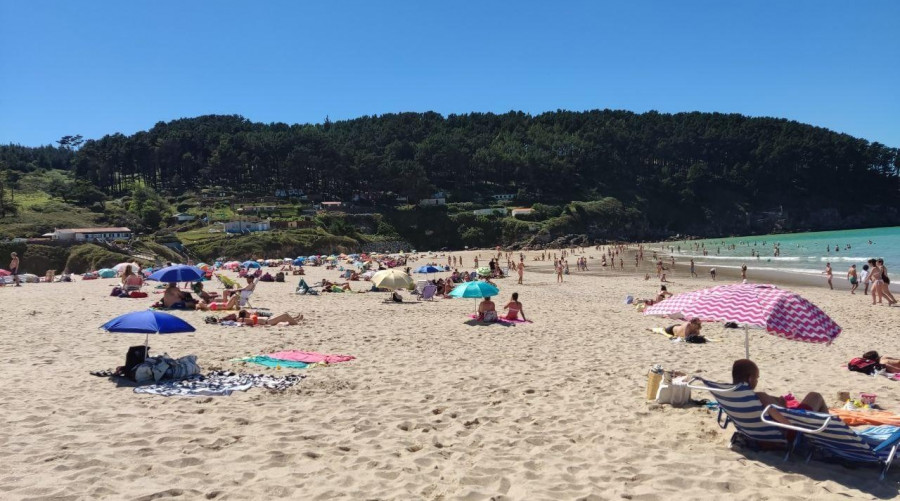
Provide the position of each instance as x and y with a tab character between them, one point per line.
799	252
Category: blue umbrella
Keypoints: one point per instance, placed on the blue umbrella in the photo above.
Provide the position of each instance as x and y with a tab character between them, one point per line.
148	322
299	261
250	264
178	273
474	290
106	273
428	269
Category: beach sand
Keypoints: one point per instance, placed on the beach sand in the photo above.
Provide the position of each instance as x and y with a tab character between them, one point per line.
432	408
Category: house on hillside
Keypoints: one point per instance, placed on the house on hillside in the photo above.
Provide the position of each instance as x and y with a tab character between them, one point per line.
90	234
256	209
184	217
246	226
425	202
520	211
292	225
499	211
504	196
332	206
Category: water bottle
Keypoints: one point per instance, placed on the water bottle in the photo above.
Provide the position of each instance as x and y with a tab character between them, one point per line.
255	319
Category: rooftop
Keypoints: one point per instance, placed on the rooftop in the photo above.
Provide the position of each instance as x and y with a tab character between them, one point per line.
96	230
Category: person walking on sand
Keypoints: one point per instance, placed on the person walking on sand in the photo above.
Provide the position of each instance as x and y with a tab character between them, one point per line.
854	280
828	275
14	268
520	269
693	272
712	273
864	278
559	271
886	283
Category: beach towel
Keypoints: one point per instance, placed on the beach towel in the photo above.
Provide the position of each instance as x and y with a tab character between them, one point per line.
866	417
309	357
219	383
272	362
504	320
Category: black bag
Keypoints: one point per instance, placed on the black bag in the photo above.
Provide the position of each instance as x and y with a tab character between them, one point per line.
135	356
279	277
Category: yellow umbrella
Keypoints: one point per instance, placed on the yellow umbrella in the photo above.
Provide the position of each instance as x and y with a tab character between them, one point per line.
391	279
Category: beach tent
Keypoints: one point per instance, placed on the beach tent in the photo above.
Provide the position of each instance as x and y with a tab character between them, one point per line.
755	306
106	273
250	264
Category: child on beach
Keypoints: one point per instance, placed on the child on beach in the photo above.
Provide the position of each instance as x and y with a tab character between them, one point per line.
745	371
854	281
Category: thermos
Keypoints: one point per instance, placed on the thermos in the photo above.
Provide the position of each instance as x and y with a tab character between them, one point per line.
654	377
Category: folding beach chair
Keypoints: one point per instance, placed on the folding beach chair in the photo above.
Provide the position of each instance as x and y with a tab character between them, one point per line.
420	286
832	438
428	292
226	282
739	405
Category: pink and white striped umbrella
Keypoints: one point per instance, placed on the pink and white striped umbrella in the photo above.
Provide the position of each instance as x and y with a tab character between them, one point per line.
778	311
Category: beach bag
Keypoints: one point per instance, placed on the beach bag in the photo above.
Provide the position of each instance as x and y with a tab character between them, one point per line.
116	291
673	391
134	357
138	294
864	365
279	277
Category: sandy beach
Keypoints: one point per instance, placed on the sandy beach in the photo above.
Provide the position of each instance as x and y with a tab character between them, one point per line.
433	407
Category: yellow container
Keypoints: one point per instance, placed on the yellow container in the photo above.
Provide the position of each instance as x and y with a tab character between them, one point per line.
653	380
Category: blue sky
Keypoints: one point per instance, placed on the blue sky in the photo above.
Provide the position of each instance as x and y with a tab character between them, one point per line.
100	67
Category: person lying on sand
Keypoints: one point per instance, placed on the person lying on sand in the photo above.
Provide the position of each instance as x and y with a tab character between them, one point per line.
245	317
890	364
231	304
745	371
327	285
688	330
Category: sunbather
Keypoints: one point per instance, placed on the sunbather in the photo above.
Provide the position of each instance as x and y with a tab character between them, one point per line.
233	303
245	316
686	330
173	298
131	281
514	307
202	294
328	286
745	371
487	311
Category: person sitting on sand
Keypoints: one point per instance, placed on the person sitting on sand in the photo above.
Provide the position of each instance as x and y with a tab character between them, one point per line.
662	294
131	281
487	311
745	371
202	294
173	298
514	307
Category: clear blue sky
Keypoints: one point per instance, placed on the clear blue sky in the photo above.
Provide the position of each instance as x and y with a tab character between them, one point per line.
100	67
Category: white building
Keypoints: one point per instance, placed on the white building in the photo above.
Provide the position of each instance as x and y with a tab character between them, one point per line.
520	211
505	196
432	201
500	211
90	234
184	217
246	226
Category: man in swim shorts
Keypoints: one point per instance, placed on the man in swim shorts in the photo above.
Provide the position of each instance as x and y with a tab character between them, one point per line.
14	268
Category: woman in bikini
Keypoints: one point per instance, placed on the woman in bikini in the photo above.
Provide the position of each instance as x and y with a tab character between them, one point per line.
885	283
875	278
514	307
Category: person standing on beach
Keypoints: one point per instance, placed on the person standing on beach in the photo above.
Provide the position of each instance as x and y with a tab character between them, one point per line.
854	280
864	278
886	283
743	272
559	271
712	273
520	269
693	272
14	268
828	275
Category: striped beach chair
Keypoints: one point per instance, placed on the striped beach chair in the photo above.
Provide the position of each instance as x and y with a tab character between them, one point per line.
740	406
831	438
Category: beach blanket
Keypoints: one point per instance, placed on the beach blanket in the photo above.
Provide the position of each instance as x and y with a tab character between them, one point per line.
866	417
310	357
273	362
504	320
219	383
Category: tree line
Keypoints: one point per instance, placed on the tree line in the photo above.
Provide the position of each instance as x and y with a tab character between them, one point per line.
683	172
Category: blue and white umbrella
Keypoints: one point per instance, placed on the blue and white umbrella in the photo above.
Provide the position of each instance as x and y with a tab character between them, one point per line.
178	273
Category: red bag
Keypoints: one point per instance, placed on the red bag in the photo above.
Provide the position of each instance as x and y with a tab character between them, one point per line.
864	365
138	294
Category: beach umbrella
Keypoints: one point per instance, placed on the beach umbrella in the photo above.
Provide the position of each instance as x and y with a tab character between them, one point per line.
250	264
4	273
106	273
476	290
777	311
147	322
120	268
484	271
391	279
299	261
178	273
428	269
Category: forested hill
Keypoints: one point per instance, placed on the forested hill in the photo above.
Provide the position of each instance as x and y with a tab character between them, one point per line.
698	173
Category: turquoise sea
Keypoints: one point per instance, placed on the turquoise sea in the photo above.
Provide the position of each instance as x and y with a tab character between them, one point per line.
799	252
